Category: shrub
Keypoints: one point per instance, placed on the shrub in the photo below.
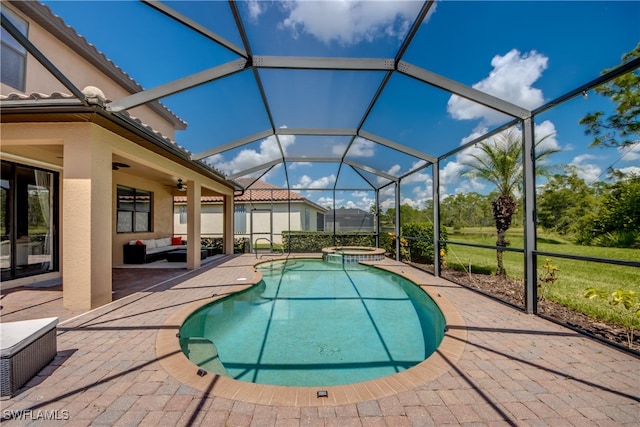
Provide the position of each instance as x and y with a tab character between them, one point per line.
215	243
547	278
419	242
628	303
314	241
240	244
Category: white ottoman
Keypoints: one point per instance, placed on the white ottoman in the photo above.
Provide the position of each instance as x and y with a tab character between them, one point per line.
27	346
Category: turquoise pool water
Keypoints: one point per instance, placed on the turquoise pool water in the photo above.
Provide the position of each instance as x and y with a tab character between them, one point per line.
311	323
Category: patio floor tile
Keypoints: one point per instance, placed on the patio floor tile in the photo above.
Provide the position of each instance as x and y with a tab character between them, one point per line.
107	372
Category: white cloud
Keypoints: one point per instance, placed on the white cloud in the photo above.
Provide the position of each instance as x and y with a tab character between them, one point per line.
255	9
360	194
248	158
543	129
394	170
360	148
421	177
350	22
450	173
307	182
362	200
326	201
511	79
631	170
590	172
296	165
387	197
630	153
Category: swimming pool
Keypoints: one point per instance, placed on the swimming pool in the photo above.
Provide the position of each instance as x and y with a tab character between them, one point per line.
311	323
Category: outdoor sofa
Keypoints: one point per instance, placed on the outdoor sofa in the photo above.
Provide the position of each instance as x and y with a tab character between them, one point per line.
150	250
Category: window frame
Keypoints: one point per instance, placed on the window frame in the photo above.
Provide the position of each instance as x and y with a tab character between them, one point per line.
8	43
135	211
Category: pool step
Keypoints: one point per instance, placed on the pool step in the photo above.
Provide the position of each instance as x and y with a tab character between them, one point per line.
203	353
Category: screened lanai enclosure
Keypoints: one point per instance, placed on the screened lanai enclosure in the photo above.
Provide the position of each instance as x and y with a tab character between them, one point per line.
483	141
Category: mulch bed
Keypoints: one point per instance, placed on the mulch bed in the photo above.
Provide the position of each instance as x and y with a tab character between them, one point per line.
512	291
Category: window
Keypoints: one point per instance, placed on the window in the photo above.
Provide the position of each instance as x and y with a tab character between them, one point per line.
239	219
13	55
182	210
134	210
320	221
306	223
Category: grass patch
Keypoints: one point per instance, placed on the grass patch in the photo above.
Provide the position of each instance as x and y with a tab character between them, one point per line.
574	277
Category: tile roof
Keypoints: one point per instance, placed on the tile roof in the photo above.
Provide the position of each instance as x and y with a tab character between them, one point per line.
259	191
55	25
58	98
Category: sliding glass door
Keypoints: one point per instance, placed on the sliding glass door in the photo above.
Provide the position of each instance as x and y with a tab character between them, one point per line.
28	214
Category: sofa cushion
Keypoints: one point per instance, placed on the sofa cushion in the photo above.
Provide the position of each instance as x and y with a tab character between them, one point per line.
140	242
151	243
176	241
160	243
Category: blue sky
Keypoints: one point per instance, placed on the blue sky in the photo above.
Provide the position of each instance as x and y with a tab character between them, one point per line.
525	52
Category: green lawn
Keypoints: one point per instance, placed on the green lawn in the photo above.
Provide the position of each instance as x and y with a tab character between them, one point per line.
574	277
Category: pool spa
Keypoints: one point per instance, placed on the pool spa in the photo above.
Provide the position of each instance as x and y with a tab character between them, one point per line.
309	322
351	254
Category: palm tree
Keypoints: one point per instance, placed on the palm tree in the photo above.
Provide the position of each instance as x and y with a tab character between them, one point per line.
500	162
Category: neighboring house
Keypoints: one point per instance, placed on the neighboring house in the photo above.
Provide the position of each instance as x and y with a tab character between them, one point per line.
261	212
78	181
348	219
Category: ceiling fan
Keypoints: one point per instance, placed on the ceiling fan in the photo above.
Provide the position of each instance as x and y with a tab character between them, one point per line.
180	186
117	165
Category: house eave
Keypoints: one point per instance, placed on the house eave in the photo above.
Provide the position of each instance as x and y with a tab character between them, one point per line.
72	110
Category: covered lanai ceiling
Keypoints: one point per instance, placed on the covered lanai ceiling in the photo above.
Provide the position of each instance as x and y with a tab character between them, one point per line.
346	95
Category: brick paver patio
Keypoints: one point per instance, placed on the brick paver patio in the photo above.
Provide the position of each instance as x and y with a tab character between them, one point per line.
515	369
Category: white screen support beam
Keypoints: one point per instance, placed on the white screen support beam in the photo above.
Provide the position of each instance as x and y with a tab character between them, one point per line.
396	146
464	91
176	86
195	26
371	170
313	63
312	159
316	131
231	145
255	169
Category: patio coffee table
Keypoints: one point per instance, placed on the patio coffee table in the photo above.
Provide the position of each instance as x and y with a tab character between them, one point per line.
181	255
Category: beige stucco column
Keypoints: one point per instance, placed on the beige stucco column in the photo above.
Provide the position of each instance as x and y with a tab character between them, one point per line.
194	190
86	221
227	219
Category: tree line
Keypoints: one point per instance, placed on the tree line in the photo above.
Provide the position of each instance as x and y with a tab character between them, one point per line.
599	214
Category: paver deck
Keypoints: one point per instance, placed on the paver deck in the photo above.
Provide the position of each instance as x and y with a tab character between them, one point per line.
513	368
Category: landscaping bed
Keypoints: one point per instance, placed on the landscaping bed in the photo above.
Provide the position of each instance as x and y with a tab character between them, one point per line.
512	291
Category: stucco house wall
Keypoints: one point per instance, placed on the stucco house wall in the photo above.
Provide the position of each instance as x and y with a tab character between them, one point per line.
81	142
283	220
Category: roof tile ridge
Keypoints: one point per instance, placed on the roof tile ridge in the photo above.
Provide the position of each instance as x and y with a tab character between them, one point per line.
36	95
74	33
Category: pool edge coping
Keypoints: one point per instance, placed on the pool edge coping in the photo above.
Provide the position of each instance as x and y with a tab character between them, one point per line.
175	362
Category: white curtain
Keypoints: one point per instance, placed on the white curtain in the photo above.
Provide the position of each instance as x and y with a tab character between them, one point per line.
45	196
